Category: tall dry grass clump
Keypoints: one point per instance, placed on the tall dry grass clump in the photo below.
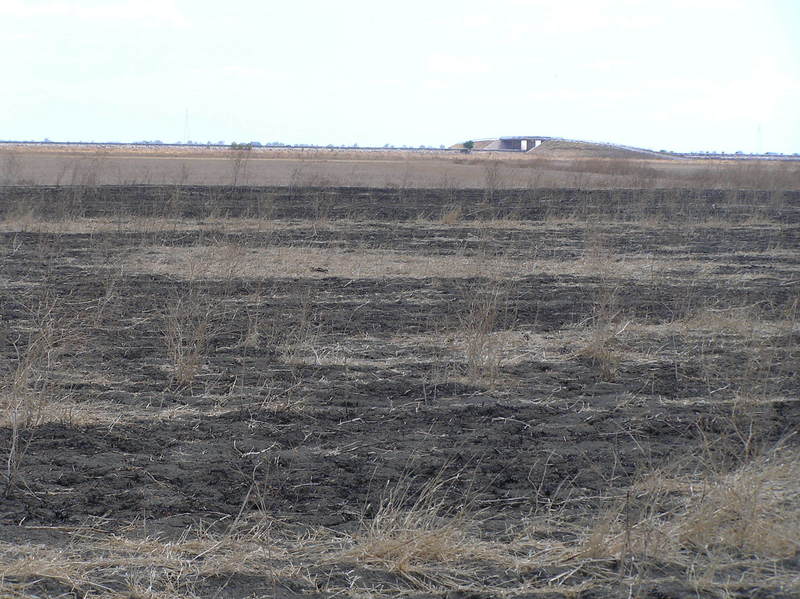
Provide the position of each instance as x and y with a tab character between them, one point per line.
754	510
451	214
604	324
187	330
486	307
27	392
10	168
716	527
418	535
239	158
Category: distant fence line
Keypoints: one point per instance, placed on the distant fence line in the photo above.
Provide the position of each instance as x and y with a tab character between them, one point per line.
691	155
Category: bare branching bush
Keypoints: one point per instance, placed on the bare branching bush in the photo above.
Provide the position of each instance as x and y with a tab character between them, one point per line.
27	392
599	351
188	327
255	333
175	203
451	214
88	171
300	329
263	206
25	388
486	307
259	331
322	207
239	159
298	179
605	319
10	168
491	179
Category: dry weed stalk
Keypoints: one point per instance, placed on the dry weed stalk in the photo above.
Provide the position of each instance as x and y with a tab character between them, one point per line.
300	333
10	169
187	330
26	392
239	158
605	314
491	179
743	521
482	343
451	214
255	333
423	543
761	338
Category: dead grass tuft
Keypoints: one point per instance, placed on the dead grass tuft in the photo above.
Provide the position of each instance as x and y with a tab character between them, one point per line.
482	342
451	214
751	513
420	537
187	330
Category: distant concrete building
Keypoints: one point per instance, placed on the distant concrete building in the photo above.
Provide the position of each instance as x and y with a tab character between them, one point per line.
521	143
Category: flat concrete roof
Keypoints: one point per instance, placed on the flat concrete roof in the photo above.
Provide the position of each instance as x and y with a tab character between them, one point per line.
512	137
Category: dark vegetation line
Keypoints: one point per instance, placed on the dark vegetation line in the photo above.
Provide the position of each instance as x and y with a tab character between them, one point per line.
692	155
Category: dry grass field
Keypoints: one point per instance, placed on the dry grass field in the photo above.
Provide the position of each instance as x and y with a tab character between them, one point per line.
552	165
409	388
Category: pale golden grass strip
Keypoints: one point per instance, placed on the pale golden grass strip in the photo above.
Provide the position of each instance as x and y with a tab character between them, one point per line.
221	261
750	514
715	529
452	218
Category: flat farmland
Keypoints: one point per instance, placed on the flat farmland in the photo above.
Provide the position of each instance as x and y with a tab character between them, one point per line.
551	165
295	387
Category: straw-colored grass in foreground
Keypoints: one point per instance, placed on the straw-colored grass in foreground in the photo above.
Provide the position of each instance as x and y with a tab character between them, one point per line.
719	533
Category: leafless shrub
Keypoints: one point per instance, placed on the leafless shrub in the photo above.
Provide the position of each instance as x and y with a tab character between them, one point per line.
175	203
322	207
451	214
27	392
187	330
10	168
604	322
239	158
263	206
482	342
600	352
259	330
300	329
491	179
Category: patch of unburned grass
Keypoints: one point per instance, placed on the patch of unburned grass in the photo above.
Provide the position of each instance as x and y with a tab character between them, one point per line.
216	262
747	516
714	530
419	537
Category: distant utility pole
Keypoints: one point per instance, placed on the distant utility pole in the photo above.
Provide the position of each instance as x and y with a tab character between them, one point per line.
186	126
759	140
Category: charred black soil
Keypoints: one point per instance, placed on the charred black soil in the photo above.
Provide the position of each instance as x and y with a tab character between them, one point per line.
181	362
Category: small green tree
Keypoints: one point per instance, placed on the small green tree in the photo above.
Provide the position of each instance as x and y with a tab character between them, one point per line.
468	146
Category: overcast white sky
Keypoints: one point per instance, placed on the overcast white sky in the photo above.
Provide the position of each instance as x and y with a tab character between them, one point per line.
673	74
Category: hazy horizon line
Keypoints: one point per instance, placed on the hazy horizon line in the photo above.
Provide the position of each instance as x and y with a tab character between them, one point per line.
388	146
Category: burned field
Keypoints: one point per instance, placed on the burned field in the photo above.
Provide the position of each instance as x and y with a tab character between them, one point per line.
282	392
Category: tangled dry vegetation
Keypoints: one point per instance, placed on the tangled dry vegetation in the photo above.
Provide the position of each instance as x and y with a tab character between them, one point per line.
324	392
